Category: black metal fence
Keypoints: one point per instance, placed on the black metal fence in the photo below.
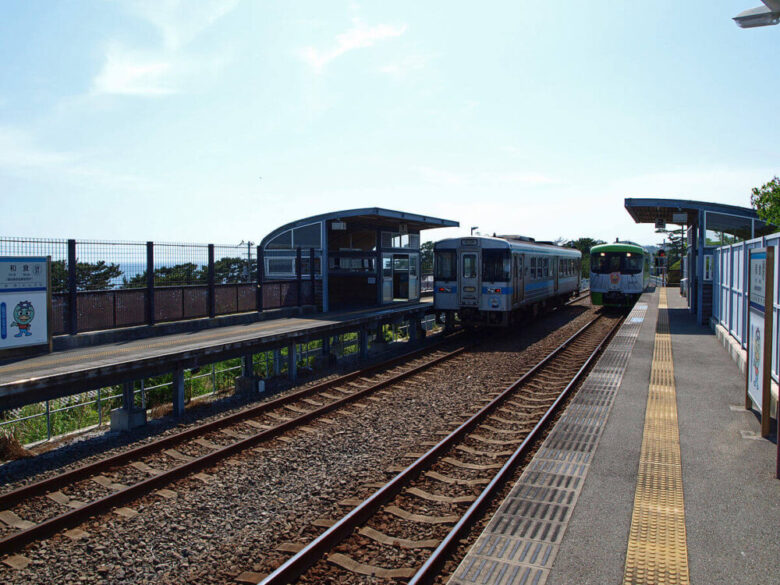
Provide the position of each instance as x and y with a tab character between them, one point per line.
105	285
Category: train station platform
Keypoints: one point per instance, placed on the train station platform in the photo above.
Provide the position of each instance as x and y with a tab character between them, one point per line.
654	474
68	372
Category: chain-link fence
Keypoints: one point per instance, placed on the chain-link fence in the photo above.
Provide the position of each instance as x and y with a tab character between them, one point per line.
100	285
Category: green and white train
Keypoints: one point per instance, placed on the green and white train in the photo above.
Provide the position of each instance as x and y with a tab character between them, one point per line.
619	274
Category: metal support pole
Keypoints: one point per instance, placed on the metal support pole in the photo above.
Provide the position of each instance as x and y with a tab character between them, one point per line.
277	362
260	274
292	362
412	325
378	268
99	408
325	267
48	420
150	283
326	345
363	341
311	275
73	312
247	365
127	396
178	392
212	296
298	275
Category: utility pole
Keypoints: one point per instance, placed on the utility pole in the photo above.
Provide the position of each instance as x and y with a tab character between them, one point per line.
248	268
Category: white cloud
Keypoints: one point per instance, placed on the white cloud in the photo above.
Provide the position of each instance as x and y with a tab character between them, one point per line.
358	37
179	22
441	177
159	71
484	178
406	65
132	73
19	151
21	155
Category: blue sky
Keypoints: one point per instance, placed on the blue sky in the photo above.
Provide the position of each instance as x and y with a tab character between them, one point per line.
219	121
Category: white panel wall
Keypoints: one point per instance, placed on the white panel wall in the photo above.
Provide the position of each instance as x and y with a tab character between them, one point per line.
730	294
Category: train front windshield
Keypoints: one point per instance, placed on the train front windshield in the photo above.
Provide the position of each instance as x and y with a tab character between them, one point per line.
496	266
625	262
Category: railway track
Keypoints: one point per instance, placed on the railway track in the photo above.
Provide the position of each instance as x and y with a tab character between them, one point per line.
407	528
40	509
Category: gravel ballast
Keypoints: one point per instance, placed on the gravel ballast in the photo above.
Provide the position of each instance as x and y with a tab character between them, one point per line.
233	518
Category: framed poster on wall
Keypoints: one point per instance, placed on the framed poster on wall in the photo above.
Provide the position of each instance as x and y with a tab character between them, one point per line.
759	344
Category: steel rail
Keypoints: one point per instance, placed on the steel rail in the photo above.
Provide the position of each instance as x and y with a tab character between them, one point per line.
73	517
430	569
62	479
13	497
298	564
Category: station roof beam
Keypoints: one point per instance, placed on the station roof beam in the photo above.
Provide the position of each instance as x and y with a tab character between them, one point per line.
766	15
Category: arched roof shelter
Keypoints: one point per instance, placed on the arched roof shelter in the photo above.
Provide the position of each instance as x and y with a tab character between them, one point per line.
355	257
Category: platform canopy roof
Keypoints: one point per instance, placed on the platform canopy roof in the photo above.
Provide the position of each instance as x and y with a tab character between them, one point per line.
373	215
730	219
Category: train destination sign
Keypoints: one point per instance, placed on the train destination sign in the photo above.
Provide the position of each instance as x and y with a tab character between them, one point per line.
25	301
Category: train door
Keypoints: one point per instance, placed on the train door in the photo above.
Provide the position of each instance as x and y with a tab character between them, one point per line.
555	265
469	278
519	288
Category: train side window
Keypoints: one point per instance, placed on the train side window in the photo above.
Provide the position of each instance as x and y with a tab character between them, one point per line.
533	267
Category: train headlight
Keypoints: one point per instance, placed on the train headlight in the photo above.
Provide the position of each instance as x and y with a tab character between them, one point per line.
445	289
495	291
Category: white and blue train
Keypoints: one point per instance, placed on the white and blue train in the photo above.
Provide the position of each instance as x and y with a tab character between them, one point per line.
495	281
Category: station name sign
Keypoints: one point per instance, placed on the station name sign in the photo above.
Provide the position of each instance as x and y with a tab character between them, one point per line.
25	301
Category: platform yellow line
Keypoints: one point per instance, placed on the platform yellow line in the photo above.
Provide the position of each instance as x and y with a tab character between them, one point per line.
657	544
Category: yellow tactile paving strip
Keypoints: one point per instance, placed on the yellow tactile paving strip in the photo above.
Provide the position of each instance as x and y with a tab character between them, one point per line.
657	545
